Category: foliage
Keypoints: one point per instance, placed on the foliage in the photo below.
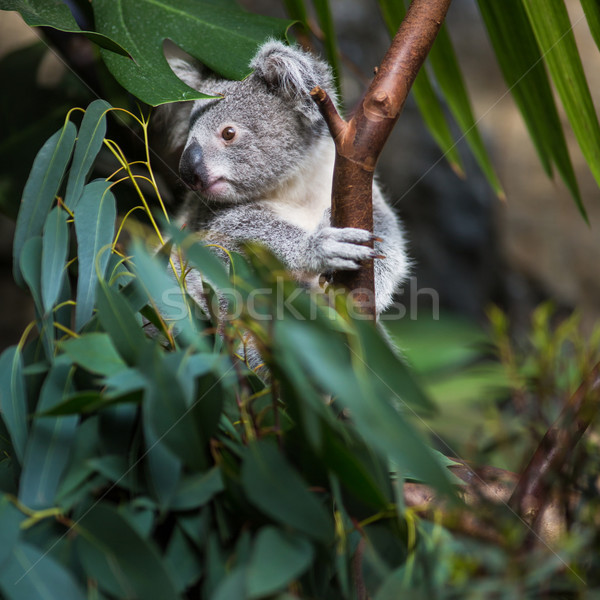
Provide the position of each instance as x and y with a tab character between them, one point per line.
530	39
126	456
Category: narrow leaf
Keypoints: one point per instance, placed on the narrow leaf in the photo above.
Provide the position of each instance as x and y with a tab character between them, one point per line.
196	490
118	320
31	269
554	33
424	93
10	521
95	217
13	399
49	444
41	188
94	352
591	8
89	142
31	573
521	63
55	245
449	77
115	555
274	487
278	557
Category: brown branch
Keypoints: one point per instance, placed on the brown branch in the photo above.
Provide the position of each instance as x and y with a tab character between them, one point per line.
533	491
359	142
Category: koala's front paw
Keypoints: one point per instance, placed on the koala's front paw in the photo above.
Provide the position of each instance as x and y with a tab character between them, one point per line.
339	249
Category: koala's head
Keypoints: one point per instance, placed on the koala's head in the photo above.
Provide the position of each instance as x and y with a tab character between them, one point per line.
254	138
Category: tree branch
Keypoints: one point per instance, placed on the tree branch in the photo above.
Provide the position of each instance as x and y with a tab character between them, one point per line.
533	491
359	142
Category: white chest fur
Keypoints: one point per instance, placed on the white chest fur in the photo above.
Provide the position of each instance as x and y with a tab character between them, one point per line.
302	199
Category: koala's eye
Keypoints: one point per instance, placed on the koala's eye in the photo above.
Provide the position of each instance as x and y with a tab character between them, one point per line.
228	133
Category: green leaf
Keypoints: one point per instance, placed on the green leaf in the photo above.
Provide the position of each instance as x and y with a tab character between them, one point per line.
196	490
31	573
56	14
78	403
13	399
174	419
94	352
521	63
89	142
182	560
232	586
55	245
49	445
449	77
119	321
550	22
95	216
424	93
278	557
119	559
31	269
10	522
591	8
41	188
222	37
274	487
323	12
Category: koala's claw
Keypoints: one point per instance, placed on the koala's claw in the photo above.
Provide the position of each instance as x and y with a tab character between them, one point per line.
340	249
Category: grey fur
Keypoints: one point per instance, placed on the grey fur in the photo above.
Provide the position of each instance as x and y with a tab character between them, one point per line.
272	182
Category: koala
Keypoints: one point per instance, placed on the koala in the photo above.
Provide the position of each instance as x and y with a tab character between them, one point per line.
258	163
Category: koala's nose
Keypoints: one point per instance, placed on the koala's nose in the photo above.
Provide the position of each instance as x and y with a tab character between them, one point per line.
192	167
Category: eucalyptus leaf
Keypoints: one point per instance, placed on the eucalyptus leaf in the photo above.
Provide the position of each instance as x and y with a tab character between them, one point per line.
119	559
41	188
10	522
55	245
94	352
13	399
278	557
49	444
89	142
95	216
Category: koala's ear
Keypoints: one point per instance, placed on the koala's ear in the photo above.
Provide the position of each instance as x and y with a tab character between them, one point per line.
293	73
189	71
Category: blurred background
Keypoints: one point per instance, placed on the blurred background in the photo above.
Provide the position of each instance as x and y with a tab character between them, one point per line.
470	247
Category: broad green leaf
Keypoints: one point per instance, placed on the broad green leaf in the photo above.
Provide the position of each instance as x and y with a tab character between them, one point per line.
78	403
196	490
31	573
115	555
273	486
232	586
41	188
550	22
13	399
278	557
521	63
119	321
94	352
31	269
222	37
95	216
183	562
424	93
89	141
10	521
591	8
449	77
49	444
55	245
56	14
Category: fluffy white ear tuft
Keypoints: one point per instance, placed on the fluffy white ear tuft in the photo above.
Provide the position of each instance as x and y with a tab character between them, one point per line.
293	73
